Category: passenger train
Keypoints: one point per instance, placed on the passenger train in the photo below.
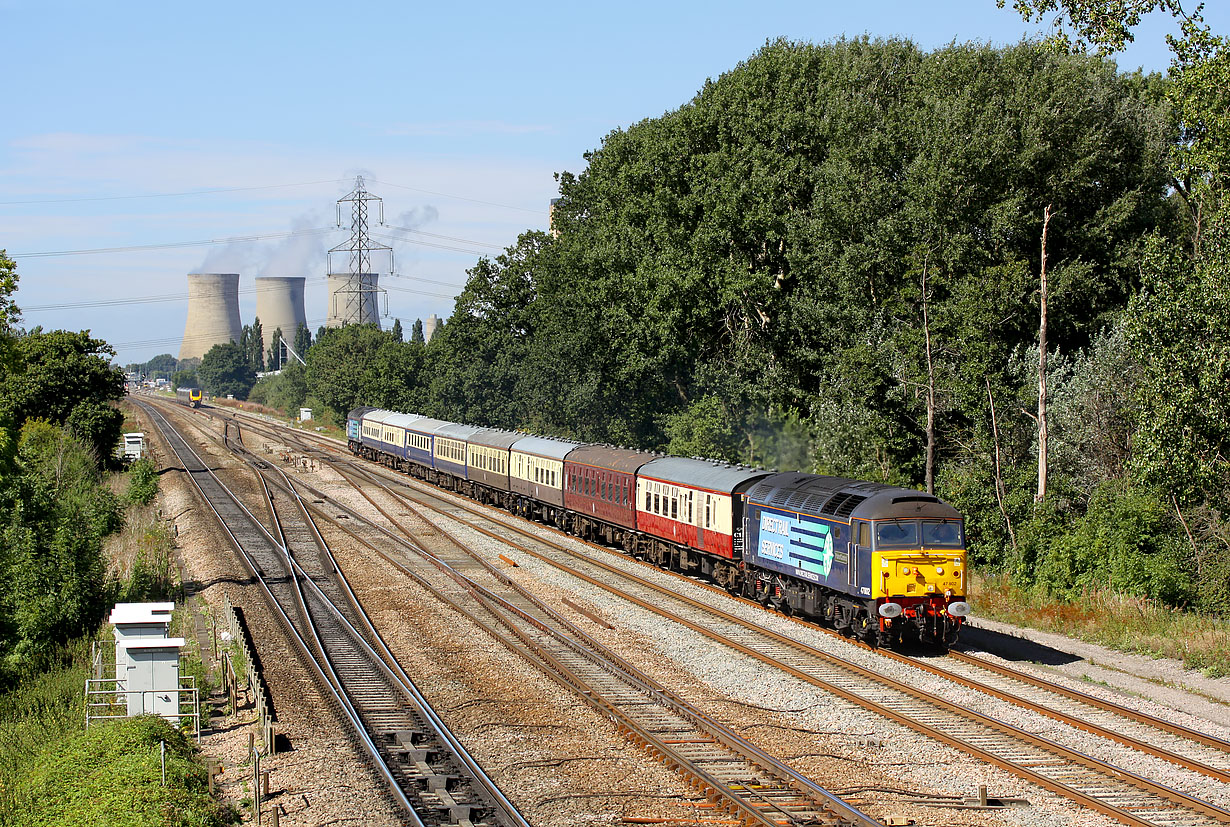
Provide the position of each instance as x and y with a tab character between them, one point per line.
188	396
879	562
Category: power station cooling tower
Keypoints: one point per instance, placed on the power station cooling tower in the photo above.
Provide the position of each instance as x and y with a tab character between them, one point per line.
279	305
353	299
213	313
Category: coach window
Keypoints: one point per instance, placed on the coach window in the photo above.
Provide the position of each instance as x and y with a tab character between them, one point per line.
674	508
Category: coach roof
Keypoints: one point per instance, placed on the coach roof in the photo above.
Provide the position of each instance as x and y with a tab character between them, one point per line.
544	446
454	431
700	473
495	438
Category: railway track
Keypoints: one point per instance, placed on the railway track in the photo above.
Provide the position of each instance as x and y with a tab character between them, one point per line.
426	769
744	782
1096	784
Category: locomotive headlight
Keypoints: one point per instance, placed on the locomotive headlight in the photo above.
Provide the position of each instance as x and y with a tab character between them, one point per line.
958	608
939	569
890	609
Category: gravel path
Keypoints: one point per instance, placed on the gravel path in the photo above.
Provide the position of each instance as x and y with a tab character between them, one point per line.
1161	680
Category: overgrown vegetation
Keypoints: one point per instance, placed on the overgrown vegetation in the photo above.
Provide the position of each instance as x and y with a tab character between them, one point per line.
1200	640
55	774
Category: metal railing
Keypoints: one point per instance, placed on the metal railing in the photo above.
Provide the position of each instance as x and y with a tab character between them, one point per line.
108	699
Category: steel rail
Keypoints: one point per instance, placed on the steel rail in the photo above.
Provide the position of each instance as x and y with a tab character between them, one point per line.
165	427
570	680
1189	802
503	810
1158	789
387	660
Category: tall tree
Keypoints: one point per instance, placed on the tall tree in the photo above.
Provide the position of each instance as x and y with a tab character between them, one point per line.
274	357
57	372
303	341
226	370
396	331
416	332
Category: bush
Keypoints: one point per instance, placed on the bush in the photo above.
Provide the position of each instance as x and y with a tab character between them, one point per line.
1128	541
142	482
112	775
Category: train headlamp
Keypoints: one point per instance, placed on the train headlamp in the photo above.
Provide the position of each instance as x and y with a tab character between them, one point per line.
939	569
890	609
958	608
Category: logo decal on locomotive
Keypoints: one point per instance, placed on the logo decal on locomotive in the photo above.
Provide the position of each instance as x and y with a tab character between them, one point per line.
807	546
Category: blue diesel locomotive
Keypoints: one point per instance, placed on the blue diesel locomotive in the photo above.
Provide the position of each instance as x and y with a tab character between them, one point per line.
879	562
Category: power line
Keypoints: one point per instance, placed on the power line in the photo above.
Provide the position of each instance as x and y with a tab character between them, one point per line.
183	297
166	194
173	244
445	237
460	198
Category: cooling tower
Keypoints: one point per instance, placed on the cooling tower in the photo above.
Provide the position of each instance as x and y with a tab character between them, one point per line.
353	299
429	327
279	304
213	313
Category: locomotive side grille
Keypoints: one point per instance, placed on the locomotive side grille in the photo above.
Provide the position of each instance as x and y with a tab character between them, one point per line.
795	501
760	492
834	503
813	504
847	508
780	497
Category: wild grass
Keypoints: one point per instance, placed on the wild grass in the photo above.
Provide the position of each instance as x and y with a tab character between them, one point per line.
1200	641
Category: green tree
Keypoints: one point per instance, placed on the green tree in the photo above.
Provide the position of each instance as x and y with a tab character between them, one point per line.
161	366
251	343
1179	331
416	332
184	379
274	357
51	559
226	370
396	331
57	372
340	372
303	341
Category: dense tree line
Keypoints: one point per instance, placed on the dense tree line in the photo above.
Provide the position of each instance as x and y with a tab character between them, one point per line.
833	259
58	428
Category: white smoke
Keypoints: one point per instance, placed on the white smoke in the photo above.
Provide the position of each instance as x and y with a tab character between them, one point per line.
298	255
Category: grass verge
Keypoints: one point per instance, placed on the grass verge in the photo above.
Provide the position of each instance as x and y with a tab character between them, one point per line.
1122	622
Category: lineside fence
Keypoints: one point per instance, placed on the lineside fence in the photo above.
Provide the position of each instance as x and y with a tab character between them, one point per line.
253	679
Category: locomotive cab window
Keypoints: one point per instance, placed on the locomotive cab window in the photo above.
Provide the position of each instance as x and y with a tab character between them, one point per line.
942	533
897	534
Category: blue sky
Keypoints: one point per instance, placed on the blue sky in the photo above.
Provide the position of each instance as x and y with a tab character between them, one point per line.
458	116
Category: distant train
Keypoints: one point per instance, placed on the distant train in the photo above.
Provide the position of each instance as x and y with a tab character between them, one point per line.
189	396
879	562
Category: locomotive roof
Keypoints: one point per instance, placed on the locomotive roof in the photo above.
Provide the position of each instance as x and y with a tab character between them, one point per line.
544	446
701	473
355	413
615	459
495	438
844	498
455	431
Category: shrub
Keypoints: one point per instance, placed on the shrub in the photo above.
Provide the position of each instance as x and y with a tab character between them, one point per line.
142	482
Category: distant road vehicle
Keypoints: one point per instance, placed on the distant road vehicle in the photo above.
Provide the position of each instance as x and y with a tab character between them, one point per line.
189	396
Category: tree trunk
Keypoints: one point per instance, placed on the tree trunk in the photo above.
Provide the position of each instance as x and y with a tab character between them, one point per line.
1042	429
999	480
930	389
